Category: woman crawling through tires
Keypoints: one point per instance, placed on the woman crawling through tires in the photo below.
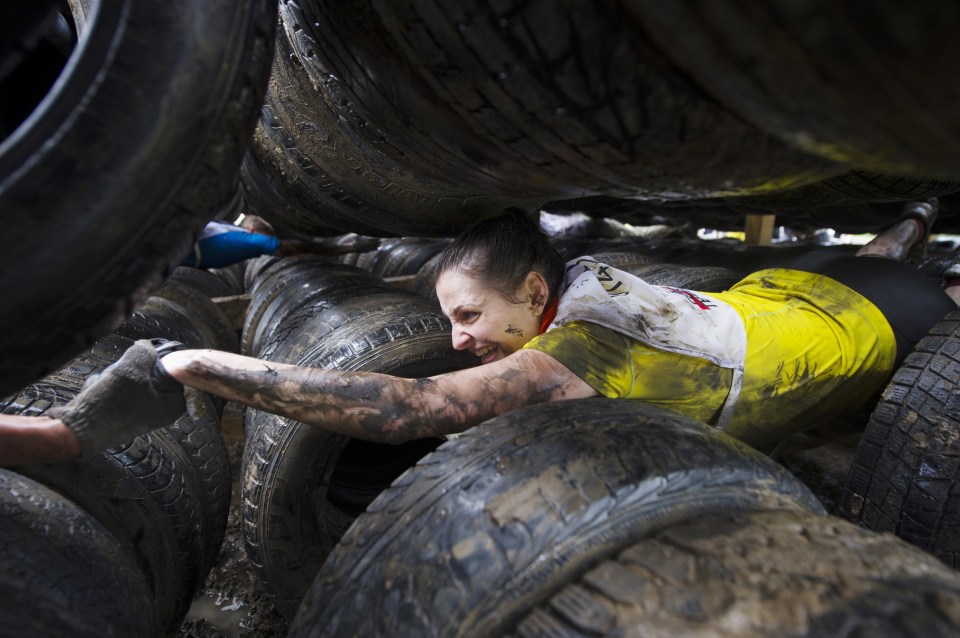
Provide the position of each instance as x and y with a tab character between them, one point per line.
776	353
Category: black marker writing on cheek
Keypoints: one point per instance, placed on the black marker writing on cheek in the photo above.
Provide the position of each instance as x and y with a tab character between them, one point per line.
513	330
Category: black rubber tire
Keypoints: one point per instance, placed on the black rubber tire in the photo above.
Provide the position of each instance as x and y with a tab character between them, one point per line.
255	267
623	260
404	256
286	287
905	478
700	278
853	186
159	317
493	522
341	174
206	315
424	283
125	158
61	572
164	495
232	276
203	281
425	119
553	99
859	83
821	576
303	487
287	325
207	463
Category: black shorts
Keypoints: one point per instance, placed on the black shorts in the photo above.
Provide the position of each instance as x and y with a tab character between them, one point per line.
911	302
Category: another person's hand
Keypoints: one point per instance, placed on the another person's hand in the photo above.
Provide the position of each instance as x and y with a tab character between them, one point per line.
130	397
332	246
355	243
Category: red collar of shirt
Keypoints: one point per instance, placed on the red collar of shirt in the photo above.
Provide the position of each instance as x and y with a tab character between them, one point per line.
549	314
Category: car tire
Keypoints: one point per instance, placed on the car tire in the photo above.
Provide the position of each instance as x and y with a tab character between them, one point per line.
62	573
492	522
821	576
302	486
904	478
164	495
118	167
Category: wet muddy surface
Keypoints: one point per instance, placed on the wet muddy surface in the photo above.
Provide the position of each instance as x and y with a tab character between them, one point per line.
232	602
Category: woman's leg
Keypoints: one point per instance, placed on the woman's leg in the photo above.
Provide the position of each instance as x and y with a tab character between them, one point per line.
911	301
913	228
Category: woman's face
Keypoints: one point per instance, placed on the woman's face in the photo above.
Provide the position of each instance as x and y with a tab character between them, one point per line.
484	321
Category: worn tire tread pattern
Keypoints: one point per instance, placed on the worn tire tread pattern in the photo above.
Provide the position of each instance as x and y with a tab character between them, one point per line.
904	477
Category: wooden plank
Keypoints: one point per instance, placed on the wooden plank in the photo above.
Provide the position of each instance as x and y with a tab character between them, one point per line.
404	282
759	229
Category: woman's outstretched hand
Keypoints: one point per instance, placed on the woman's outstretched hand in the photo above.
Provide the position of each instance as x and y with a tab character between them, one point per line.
130	397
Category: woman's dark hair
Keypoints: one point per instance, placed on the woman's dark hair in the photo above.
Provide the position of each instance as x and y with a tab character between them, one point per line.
501	251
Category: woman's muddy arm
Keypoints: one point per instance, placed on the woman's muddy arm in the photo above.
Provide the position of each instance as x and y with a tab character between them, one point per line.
378	407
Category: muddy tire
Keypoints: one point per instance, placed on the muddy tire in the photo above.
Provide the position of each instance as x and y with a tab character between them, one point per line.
129	152
158	317
905	478
303	487
855	186
61	572
403	256
496	520
285	287
164	495
306	178
821	577
290	322
424	282
458	111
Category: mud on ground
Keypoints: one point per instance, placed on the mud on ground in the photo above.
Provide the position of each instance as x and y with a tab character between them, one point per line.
232	603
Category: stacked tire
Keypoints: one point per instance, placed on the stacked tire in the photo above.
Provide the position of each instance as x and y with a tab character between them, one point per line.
605	517
109	170
905	476
414	120
303	487
155	507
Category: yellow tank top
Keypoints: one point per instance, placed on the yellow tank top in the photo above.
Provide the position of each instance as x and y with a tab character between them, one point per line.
815	349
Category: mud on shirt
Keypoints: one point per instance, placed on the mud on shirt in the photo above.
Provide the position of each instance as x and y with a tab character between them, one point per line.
814	349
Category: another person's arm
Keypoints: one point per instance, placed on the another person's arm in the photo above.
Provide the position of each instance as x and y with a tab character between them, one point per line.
128	398
30	439
339	245
379	407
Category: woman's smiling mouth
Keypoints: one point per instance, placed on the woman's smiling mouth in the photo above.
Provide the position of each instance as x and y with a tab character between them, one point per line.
487	354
